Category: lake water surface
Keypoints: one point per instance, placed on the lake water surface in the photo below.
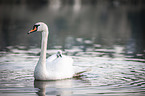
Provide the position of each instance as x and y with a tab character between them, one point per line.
109	75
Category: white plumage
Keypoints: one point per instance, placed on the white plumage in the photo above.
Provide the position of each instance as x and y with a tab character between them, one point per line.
57	66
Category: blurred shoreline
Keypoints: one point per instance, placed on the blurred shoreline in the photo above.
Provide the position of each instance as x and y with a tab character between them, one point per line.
104	22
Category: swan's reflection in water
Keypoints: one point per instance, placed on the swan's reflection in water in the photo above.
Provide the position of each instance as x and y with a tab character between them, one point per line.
58	88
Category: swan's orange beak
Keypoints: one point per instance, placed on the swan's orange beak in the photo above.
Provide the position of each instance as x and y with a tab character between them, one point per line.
33	30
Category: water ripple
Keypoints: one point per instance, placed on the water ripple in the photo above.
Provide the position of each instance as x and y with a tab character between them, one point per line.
108	76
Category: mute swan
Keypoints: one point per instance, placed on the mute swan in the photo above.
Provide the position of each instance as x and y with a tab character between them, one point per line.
55	67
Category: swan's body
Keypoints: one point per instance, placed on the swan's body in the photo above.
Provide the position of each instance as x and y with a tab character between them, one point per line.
57	66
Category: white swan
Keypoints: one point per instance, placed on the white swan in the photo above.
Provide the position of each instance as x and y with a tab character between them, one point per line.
55	67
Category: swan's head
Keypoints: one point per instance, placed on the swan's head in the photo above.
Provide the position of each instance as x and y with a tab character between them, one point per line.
40	26
59	53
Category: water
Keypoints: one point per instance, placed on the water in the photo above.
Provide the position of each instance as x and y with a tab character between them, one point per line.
108	76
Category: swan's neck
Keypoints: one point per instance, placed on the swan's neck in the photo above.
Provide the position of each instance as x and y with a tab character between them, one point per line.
40	69
42	59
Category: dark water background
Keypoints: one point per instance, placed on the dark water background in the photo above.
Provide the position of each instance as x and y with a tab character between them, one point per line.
107	36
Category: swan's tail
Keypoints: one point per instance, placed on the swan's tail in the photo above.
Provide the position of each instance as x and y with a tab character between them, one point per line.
80	74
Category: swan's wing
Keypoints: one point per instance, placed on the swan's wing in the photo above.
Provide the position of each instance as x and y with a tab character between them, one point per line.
59	63
51	58
60	67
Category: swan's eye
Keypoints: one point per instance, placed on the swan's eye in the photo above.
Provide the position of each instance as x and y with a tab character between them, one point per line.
35	27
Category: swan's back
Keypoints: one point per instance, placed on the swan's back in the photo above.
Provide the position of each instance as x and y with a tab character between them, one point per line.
59	67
